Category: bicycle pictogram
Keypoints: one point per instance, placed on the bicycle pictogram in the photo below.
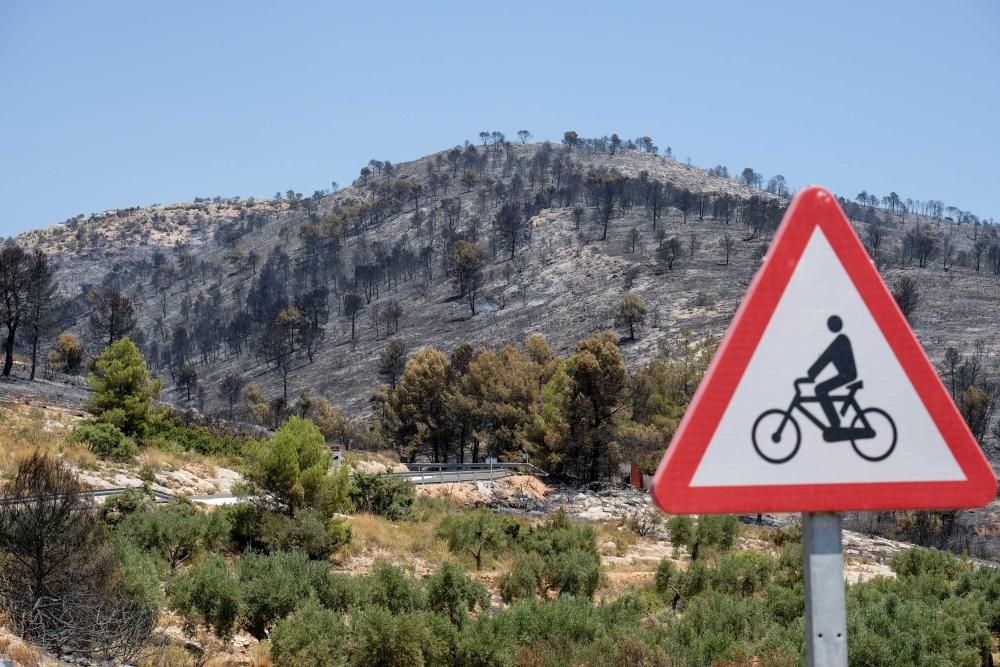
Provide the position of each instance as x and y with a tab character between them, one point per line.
872	433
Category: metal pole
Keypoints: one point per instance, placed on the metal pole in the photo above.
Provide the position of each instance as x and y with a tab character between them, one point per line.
823	571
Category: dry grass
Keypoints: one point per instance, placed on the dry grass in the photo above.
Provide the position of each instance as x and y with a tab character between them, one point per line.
260	655
402	540
25	429
22	654
612	531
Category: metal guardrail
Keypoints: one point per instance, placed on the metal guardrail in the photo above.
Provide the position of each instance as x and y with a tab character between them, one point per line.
523	467
158	496
445	473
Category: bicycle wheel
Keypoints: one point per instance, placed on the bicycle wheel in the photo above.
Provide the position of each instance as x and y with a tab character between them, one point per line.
879	447
772	446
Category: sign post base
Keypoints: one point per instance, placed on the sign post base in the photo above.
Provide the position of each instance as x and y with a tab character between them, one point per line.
823	570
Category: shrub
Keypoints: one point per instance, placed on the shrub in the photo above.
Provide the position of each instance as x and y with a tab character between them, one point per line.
105	440
389	497
384	638
453	595
338	592
558	535
175	532
714	531
389	587
666	577
306	531
245	522
130	501
575	572
475	534
311	637
524	580
207	593
166	431
921	561
275	585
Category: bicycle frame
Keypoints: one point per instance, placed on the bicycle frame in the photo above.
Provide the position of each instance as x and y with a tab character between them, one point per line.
848	399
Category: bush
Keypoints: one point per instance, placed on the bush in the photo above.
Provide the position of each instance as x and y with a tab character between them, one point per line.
575	572
383	639
475	534
389	497
453	595
175	532
307	532
524	580
245	522
666	577
130	501
207	593
714	531
920	561
273	586
559	535
311	637
389	587
105	440
166	431
338	592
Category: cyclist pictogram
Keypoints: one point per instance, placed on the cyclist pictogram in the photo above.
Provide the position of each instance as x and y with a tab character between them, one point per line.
872	432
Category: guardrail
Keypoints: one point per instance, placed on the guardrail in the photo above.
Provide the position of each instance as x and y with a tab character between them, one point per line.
523	467
444	473
158	496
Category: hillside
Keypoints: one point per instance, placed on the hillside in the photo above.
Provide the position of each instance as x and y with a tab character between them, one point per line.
207	278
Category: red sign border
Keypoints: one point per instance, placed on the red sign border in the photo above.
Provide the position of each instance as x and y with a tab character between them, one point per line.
671	490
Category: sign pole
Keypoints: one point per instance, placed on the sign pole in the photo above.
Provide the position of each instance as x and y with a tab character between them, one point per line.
823	570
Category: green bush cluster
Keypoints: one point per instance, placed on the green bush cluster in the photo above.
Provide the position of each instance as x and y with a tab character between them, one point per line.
556	555
165	431
388	497
105	440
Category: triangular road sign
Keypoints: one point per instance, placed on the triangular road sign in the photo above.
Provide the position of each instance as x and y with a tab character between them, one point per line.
819	339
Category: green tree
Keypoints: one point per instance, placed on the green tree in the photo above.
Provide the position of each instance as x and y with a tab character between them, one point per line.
289	472
717	531
122	390
415	416
598	380
275	585
389	587
476	534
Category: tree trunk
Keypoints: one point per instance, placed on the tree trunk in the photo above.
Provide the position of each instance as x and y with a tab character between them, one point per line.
8	350
34	354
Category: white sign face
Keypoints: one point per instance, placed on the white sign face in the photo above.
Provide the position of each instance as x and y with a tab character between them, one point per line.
777	432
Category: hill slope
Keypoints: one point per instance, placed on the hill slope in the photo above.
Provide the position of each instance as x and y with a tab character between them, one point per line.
218	273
